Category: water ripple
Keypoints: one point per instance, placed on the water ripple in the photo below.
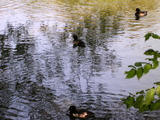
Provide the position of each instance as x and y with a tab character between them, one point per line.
10	5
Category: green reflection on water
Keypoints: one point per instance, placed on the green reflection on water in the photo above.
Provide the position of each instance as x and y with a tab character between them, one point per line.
99	14
83	12
90	6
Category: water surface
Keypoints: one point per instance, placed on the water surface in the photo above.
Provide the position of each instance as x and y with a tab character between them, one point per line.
42	74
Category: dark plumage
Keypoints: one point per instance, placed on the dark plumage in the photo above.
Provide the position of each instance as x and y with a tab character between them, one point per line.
80	113
140	13
77	42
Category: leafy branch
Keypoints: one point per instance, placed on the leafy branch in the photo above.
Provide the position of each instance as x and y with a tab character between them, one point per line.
155	36
141	68
144	100
150	98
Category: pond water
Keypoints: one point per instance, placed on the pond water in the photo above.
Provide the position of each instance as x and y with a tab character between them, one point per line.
42	74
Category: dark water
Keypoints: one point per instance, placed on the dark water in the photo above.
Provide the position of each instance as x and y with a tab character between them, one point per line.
42	74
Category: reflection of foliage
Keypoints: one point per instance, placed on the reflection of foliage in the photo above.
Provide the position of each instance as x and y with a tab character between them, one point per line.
15	41
149	99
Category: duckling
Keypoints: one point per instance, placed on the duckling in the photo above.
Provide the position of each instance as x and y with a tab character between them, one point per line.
77	42
140	13
80	113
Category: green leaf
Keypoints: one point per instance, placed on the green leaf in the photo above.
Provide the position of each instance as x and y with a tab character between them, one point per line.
139	101
155	36
144	108
139	72
140	92
129	101
146	68
138	64
147	36
132	66
149	96
155	64
155	55
131	94
155	106
150	59
131	73
157	83
149	52
158	91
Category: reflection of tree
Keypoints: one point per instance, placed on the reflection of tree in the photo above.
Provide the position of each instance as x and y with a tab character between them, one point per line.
23	74
5	98
28	71
45	83
11	67
21	48
55	67
108	23
9	54
4	51
92	61
96	34
89	63
39	98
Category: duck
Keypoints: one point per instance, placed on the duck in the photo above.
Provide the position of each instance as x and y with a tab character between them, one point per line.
140	13
77	41
79	113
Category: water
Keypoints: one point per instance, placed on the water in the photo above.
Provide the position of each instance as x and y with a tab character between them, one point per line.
42	75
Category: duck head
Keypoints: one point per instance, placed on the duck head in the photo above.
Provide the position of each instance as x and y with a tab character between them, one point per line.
72	109
138	10
75	36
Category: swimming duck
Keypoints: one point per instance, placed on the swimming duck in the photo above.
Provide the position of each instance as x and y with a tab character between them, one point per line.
140	13
80	113
77	42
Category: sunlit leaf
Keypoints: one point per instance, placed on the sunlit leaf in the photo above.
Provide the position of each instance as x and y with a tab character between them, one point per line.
139	73
129	101
138	64
147	36
158	91
146	68
149	52
149	96
144	102
131	73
